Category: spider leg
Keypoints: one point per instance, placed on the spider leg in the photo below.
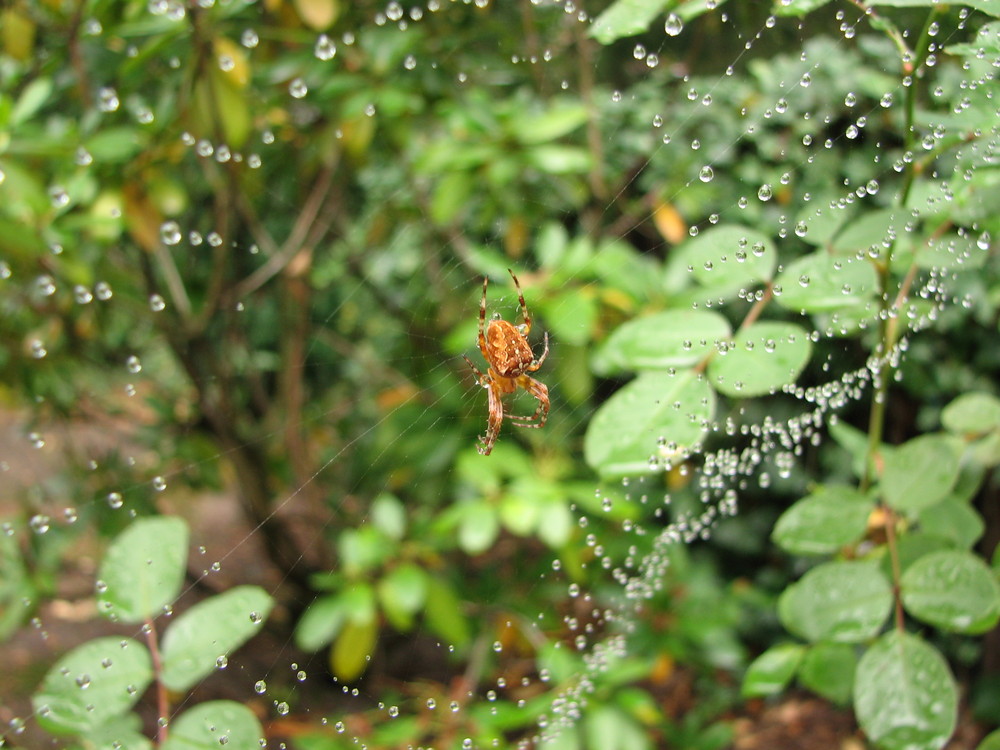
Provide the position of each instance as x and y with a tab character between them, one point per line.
524	306
493	423
540	392
538	362
480	377
482	320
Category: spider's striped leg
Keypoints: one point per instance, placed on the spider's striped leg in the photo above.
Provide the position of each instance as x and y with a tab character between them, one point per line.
480	377
482	319
524	306
493	423
539	391
538	362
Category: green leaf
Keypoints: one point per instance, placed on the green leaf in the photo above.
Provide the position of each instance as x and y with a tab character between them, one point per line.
200	640
92	684
953	520
570	316
555	122
213	725
389	516
402	593
920	472
555	158
675	338
520	506
828	670
797	7
990	741
443	614
904	694
450	196
320	623
656	415
771	672
823	522
874	230
555	524
724	259
972	414
764	358
143	569
626	18
119	732
116	145
821	282
950	251
353	649
846	602
32	98
362	549
952	590
478	528
610	728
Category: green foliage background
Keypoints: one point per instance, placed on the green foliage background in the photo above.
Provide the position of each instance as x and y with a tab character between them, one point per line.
245	243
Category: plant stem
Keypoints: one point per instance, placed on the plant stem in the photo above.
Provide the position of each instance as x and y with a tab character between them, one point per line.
162	698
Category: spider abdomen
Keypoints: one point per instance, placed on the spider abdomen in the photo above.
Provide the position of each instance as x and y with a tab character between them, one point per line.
507	349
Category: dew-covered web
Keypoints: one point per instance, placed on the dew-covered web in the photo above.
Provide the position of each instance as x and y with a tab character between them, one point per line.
667	132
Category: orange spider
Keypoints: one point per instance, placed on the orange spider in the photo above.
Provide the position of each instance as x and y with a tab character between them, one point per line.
508	354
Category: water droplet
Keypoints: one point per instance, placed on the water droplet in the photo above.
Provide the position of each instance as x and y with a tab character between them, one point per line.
673	25
107	99
157	303
58	196
170	233
765	193
298	89
325	48
39	523
706	174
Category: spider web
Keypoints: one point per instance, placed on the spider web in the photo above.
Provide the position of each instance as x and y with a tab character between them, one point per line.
741	451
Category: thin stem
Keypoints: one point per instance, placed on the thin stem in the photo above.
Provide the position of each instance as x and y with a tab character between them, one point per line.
890	533
162	698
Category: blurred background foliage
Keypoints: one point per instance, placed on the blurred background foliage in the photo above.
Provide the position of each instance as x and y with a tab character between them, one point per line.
241	248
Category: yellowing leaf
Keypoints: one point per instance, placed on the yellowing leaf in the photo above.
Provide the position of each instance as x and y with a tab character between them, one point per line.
352	649
669	223
232	62
17	34
318	15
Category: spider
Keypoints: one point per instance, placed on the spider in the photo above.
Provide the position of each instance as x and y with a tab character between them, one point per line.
508	354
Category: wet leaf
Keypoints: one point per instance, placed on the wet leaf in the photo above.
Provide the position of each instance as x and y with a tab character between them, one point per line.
823	522
771	672
920	472
846	602
723	259
821	282
143	569
92	684
828	670
764	358
972	414
213	725
675	338
952	590
904	694
654	414
211	630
